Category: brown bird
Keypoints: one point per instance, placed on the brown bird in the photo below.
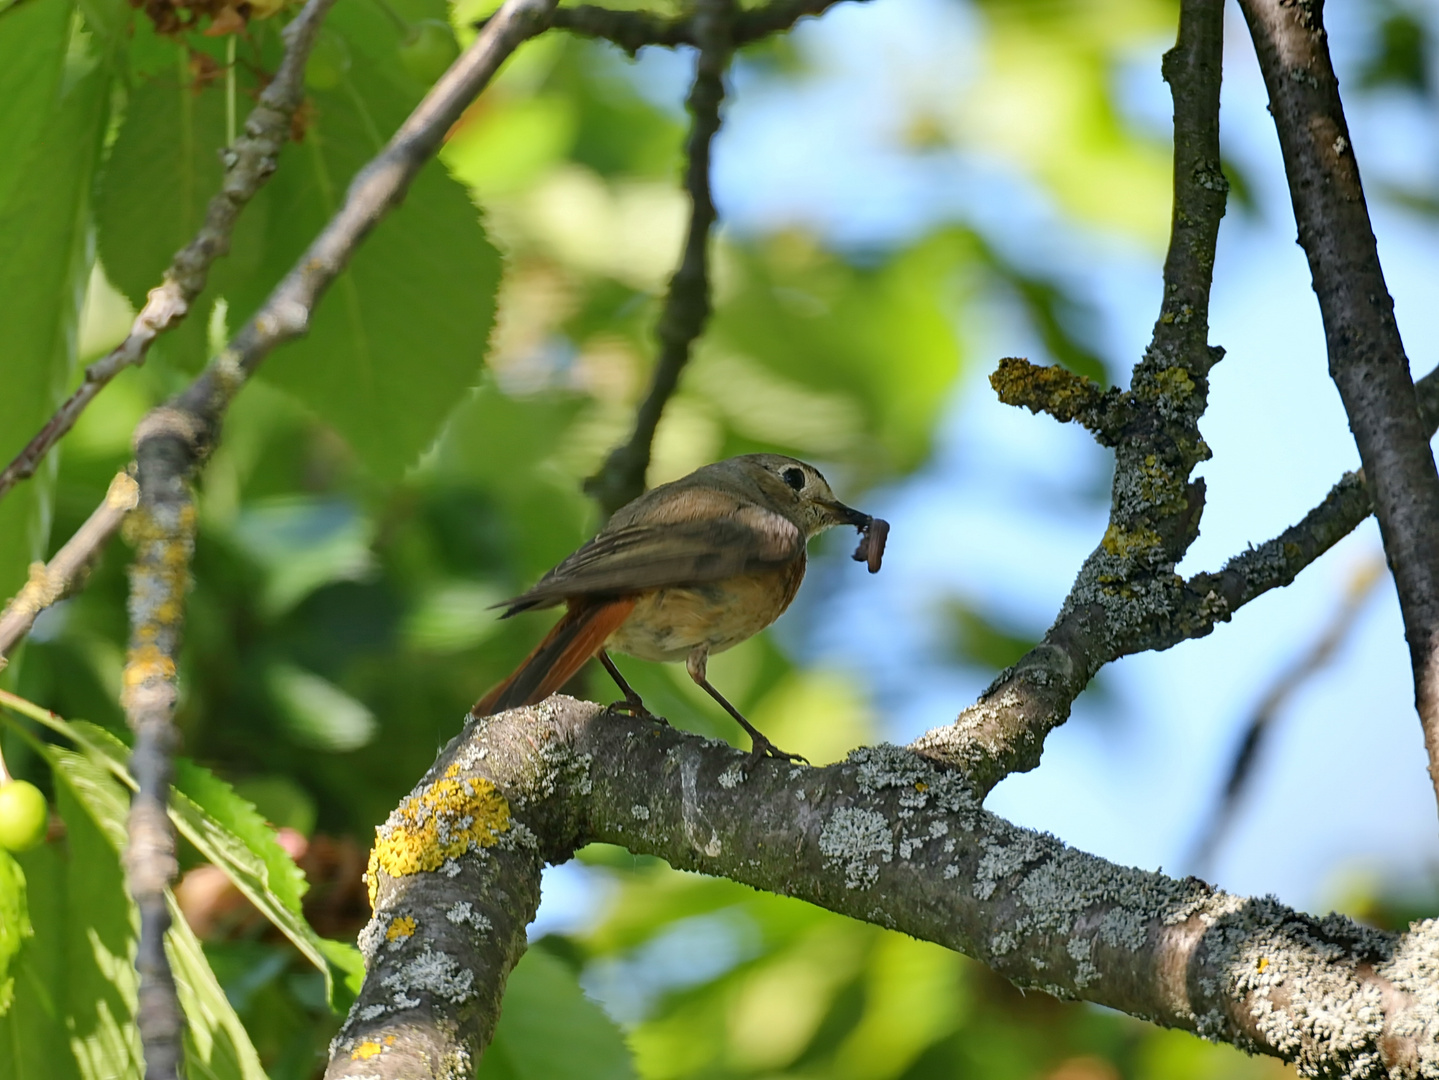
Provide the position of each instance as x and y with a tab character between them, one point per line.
688	569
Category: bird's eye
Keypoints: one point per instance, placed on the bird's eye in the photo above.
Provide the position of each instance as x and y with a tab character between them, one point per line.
794	478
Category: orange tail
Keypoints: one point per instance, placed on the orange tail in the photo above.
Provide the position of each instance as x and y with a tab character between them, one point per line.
585	627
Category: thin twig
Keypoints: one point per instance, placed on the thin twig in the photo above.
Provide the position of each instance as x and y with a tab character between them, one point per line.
1127	589
1366	353
52	581
1318	656
248	164
164	536
687	305
633	30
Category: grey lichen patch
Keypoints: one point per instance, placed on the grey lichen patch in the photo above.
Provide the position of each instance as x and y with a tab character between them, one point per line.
1414	969
560	767
1080	948
433	973
462	913
919	783
852	837
372	937
998	861
733	776
640	812
1304	991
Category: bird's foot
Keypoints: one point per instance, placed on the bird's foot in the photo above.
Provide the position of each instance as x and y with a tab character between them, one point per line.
763	748
636	708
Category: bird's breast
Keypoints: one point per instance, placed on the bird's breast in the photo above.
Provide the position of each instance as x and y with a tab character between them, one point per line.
669	623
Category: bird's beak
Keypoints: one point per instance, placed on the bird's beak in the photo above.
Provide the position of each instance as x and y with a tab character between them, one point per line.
848	515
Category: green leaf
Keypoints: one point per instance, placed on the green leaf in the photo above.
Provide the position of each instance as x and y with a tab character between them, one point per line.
33	37
162	171
14	924
229	832
44	261
216	1044
402	333
549	1030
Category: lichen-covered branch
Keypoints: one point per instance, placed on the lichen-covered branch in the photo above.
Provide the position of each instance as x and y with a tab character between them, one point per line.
1127	590
687	304
1366	354
52	581
1063	395
162	529
886	836
248	164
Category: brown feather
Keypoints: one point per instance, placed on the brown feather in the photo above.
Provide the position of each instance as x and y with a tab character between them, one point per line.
579	634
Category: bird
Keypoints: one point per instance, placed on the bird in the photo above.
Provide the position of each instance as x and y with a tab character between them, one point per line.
686	570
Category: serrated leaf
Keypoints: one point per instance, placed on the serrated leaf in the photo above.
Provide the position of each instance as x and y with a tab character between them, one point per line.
32	54
216	1044
230	833
549	1030
14	924
97	981
402	333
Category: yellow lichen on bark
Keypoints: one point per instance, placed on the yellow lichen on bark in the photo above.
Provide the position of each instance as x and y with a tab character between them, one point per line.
440	822
401	928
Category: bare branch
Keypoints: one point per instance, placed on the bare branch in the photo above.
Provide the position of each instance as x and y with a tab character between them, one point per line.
1127	590
248	164
687	305
887	837
1366	354
52	581
630	30
1316	657
633	30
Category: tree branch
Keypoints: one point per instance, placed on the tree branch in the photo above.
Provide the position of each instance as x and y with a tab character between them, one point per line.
886	836
633	30
1366	354
164	537
687	304
1127	589
52	581
248	164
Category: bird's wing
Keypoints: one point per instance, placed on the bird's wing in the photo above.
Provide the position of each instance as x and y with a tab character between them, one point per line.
679	549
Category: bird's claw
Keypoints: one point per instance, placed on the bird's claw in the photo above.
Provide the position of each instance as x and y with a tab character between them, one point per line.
763	748
636	708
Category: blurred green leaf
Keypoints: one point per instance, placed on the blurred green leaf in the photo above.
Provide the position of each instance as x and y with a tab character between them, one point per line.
1401	50
549	1030
976	638
216	1044
304	543
44	256
33	39
402	333
15	924
319	714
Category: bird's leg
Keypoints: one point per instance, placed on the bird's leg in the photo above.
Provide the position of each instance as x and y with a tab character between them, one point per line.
761	746
632	703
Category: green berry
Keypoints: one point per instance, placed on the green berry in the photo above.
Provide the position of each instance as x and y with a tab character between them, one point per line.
428	49
24	816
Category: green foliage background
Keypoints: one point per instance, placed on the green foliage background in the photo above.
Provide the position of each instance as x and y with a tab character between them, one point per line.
419	456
